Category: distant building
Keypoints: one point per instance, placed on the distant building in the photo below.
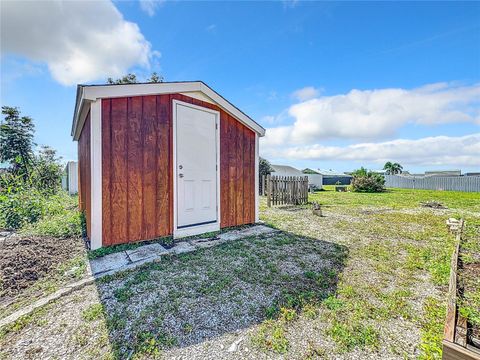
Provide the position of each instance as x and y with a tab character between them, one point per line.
315	180
443	173
70	179
332	177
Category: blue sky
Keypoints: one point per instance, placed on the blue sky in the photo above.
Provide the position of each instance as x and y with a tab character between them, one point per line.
337	85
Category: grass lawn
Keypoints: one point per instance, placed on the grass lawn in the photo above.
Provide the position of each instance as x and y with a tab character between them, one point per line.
366	280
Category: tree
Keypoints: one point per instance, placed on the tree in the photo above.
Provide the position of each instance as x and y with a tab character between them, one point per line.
47	173
16	140
127	79
264	167
132	79
155	78
393	168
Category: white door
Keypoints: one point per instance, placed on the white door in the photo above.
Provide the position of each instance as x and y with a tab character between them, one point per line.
196	166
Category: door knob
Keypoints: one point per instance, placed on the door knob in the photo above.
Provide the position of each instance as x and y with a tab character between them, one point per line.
180	175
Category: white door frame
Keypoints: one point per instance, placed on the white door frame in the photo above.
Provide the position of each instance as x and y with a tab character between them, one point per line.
199	229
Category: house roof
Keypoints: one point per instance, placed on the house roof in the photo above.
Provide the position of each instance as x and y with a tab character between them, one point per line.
331	172
197	89
285	169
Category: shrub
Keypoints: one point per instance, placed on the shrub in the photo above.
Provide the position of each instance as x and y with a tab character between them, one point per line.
18	208
67	224
36	212
367	181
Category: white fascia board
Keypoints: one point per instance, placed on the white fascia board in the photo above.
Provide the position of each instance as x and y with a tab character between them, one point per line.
92	93
257	180
96	216
112	91
227	106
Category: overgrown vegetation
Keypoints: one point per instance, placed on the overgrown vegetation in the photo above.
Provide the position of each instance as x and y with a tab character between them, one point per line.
364	180
31	197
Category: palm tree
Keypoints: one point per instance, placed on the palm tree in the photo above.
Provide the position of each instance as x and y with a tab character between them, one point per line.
393	168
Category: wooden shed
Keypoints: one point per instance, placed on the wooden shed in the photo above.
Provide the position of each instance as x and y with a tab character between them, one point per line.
162	159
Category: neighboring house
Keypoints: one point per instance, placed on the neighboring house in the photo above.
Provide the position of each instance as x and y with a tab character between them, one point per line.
163	159
443	173
285	170
314	178
332	177
71	177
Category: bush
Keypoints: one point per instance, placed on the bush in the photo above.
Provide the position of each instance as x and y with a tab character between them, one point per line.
367	181
20	207
36	212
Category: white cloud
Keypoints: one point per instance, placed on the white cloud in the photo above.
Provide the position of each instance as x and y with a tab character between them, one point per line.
211	28
306	93
439	150
150	6
80	41
376	114
290	4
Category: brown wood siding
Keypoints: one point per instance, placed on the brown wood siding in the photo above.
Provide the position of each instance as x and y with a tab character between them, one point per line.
84	172
137	168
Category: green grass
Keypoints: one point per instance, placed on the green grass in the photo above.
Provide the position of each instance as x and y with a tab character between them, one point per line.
393	243
93	312
398	198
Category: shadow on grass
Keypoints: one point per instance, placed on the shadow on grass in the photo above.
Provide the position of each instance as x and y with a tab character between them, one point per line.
191	298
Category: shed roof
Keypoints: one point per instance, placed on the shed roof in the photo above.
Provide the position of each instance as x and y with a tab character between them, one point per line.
197	89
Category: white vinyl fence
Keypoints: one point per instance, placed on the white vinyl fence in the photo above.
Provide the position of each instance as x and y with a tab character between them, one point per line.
455	183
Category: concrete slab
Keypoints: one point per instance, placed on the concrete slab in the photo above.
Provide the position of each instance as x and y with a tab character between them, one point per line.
206	243
251	231
146	252
181	248
109	262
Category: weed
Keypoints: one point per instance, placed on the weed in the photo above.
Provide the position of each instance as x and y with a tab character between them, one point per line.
271	336
352	335
123	294
432	329
287	314
93	312
332	303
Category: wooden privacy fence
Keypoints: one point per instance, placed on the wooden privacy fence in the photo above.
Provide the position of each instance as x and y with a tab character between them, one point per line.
286	190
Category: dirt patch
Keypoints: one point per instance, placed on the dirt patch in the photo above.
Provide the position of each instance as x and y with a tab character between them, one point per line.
26	260
433	204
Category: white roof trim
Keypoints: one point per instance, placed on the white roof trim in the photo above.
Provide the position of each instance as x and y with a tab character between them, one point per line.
87	94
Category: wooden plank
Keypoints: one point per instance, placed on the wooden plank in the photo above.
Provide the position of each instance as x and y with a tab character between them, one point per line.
163	175
149	128
106	173
452	351
251	176
170	165
232	148
239	190
119	171
449	330
134	169
224	173
269	190
85	172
